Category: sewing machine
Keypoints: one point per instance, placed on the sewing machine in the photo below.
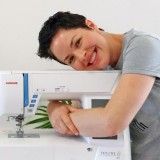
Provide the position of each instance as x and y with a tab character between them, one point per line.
20	94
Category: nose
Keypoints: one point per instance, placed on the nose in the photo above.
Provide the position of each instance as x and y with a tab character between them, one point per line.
81	56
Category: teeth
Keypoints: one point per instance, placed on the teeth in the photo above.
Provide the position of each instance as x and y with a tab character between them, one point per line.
93	57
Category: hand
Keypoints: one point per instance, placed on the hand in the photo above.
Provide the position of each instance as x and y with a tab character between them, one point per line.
60	118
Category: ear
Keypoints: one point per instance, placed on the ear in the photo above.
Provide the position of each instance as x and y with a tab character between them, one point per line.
90	24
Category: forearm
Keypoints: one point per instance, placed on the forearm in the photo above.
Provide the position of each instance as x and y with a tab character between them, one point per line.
92	122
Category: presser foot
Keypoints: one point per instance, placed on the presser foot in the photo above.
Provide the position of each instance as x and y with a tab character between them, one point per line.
20	133
27	135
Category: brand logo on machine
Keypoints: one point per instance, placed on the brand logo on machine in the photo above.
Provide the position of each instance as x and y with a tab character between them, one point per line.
12	82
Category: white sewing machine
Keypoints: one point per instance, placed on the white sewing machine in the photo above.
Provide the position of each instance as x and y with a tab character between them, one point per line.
20	93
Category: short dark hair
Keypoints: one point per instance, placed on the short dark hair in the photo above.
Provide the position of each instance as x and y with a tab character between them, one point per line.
60	20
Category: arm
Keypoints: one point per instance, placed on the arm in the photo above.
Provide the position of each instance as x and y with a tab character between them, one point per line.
126	101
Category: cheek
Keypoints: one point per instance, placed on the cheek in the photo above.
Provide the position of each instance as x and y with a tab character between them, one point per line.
105	60
77	66
89	40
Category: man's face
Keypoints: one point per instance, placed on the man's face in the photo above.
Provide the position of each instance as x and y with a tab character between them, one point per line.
82	49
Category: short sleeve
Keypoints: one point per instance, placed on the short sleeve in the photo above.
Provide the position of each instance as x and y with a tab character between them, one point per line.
142	56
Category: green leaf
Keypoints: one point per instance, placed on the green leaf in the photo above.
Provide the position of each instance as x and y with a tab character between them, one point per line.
43	107
37	120
41	114
43	110
46	125
66	101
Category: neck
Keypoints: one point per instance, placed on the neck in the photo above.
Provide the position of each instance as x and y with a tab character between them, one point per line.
115	42
116	47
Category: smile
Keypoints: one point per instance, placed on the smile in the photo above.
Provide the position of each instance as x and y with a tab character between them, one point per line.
93	57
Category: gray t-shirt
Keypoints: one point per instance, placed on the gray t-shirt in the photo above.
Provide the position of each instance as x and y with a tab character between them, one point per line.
141	55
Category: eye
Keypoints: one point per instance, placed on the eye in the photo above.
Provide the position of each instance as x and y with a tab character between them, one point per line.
77	44
71	60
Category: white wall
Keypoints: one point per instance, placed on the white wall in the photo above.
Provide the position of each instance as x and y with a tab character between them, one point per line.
21	20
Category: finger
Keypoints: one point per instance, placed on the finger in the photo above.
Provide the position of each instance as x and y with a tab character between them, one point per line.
51	107
68	122
73	109
63	129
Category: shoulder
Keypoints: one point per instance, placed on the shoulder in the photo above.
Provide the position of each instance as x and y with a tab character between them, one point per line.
141	54
136	39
